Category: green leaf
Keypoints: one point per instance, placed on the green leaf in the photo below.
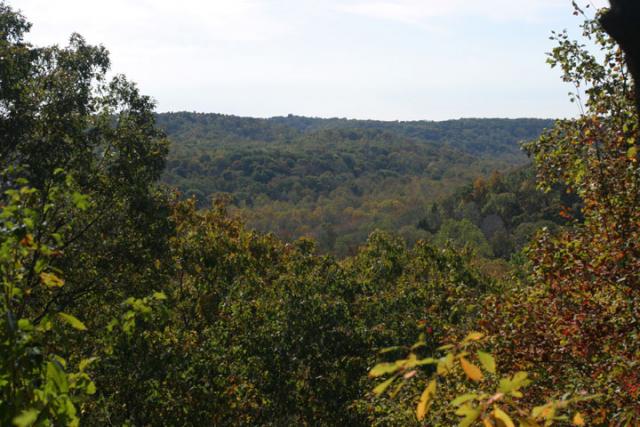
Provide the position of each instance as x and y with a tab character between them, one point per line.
25	325
389	349
487	361
445	347
26	418
382	369
463	399
632	153
160	296
91	388
397	390
72	321
513	384
380	388
84	363
80	200
427	361
470	415
57	377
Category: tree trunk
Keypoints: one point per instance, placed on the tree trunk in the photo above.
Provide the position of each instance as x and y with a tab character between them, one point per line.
622	22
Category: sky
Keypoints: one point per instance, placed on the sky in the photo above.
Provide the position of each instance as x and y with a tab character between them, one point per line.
365	59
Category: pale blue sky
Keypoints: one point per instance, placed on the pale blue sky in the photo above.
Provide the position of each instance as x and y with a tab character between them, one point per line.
379	59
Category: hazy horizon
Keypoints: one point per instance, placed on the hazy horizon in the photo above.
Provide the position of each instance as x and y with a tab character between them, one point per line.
354	119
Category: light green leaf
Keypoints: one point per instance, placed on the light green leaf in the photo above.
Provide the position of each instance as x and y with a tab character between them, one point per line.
487	361
84	363
380	388
382	369
463	399
56	377
470	415
26	418
72	321
91	388
389	349
160	296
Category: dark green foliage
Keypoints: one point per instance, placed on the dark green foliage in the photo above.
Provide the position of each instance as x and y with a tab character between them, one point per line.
267	333
499	215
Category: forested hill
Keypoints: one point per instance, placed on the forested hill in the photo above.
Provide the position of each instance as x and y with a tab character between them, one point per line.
477	136
336	180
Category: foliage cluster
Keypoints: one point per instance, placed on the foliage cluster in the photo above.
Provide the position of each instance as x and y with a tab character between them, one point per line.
498	216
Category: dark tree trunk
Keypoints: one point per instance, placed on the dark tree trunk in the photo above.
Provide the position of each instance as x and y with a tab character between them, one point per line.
622	22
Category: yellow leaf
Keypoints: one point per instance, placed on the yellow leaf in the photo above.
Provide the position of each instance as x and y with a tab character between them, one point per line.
632	153
499	414
578	420
472	371
487	361
474	336
445	364
425	400
50	280
487	423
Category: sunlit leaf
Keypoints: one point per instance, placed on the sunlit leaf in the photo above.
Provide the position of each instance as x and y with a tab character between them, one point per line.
470	415
50	280
380	388
425	400
474	336
72	321
499	414
445	364
463	399
26	418
382	369
472	371
488	362
578	420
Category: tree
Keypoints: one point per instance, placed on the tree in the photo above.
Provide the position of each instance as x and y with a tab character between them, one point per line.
81	226
58	112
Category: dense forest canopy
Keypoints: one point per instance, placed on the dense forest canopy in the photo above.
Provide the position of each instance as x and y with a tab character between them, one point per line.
123	303
336	180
